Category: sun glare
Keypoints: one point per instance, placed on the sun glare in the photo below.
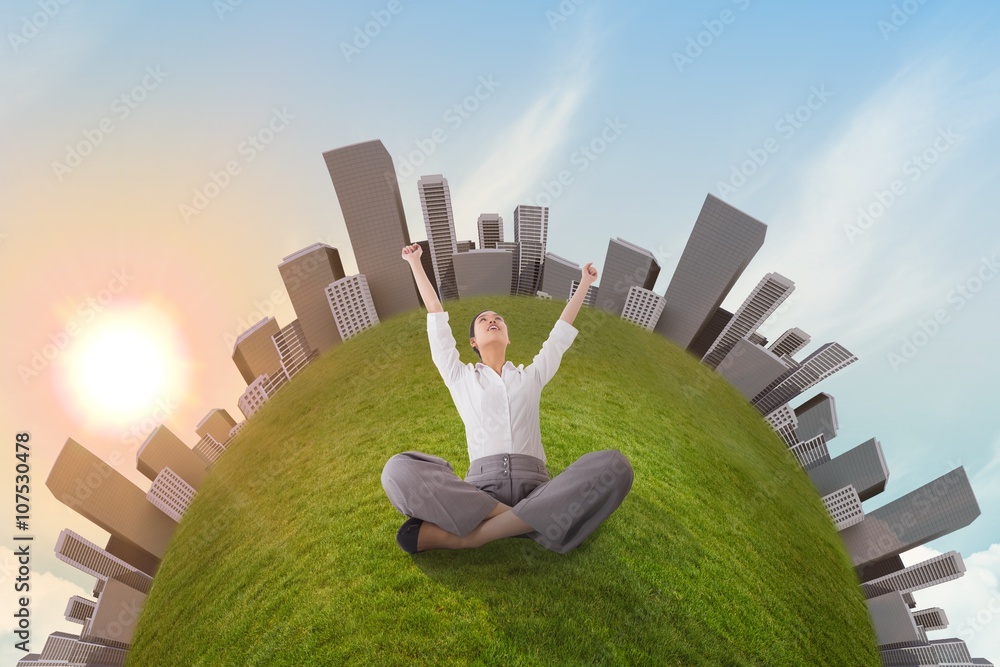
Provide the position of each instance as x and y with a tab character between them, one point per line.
123	364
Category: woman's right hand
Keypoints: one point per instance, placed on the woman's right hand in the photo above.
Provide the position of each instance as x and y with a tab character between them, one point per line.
412	253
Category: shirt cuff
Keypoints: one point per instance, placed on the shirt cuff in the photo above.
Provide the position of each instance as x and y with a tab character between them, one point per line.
565	329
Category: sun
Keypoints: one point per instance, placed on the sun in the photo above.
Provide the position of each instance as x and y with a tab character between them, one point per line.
123	363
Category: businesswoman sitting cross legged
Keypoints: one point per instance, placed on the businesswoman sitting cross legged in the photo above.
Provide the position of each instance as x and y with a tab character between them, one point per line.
507	491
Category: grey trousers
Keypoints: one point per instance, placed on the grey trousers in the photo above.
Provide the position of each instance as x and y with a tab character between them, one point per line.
563	510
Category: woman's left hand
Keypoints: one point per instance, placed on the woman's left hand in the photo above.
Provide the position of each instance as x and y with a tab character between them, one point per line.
589	274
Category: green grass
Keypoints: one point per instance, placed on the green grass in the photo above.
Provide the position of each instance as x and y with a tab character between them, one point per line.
721	554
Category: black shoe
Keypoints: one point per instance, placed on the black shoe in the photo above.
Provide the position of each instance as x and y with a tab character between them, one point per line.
406	536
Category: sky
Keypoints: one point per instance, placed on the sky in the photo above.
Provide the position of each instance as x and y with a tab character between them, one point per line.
160	161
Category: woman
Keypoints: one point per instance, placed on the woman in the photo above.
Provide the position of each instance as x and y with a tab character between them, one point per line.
507	491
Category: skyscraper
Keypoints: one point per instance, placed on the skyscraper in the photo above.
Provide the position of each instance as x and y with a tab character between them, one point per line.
763	300
481	272
254	353
306	274
817	415
625	265
558	274
85	483
925	574
490	227
927	513
819	365
87	557
435	200
721	245
531	233
164	449
790	342
365	180
863	467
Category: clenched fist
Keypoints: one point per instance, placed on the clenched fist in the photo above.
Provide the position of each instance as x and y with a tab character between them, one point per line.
412	253
588	275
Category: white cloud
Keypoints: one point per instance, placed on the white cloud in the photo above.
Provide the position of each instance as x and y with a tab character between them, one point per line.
886	273
524	150
47	597
971	602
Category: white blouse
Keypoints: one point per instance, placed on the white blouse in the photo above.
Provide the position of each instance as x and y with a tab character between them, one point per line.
500	411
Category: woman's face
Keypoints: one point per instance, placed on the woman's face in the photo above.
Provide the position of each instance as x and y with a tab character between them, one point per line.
490	327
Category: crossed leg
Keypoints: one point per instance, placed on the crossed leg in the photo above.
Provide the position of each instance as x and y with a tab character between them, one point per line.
499	523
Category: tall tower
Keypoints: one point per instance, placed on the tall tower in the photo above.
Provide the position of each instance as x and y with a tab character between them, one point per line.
254	353
306	274
435	200
531	232
85	483
924	514
490	231
764	299
721	245
365	180
626	265
819	365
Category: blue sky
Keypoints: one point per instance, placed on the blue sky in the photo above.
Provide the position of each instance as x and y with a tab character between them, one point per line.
847	101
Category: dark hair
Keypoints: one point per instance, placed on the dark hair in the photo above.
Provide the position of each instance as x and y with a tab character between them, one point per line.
472	331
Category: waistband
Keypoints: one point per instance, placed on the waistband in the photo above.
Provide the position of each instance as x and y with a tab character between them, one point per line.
513	462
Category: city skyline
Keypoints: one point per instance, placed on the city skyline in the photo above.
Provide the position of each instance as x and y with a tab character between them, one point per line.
151	224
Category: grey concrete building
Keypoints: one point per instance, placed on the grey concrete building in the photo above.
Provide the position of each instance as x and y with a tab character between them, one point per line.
306	274
813	453
352	306
626	265
819	365
439	220
932	618
817	415
84	555
927	513
762	301
365	180
930	572
216	423
558	274
490	227
783	422
721	245
949	651
293	348
750	368
699	346
790	342
531	233
892	621
164	449
642	307
482	272
254	353
114	503
863	467
62	648
844	506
